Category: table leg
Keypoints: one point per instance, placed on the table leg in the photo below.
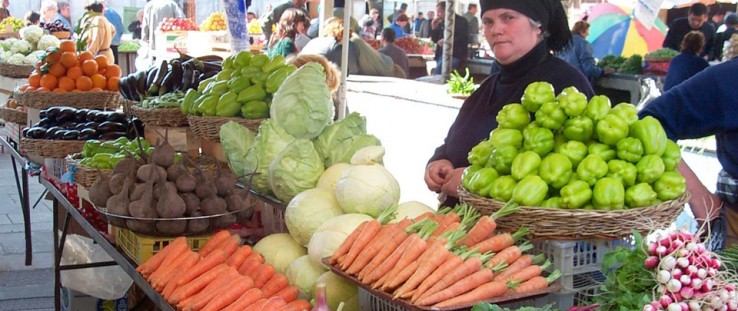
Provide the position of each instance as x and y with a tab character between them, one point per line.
57	257
22	187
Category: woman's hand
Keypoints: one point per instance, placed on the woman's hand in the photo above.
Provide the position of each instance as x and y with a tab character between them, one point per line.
436	173
453	180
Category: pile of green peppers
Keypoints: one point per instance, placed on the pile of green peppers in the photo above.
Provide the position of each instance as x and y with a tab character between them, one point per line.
563	151
107	154
244	87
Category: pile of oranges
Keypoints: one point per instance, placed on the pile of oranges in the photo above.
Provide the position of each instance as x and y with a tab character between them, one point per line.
64	69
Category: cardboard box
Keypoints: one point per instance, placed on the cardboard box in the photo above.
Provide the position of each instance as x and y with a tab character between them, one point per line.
183	139
72	300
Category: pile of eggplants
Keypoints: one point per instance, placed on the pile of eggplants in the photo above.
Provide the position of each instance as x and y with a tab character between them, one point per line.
67	123
179	74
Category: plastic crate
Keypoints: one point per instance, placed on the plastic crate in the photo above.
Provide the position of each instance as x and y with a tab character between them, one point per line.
272	217
586	287
141	247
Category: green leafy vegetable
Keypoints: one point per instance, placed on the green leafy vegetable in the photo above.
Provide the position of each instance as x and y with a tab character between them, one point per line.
628	284
461	85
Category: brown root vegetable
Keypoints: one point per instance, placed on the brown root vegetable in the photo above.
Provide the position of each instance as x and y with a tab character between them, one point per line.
144	207
234	202
100	190
213	205
138	191
186	182
205	186
127	165
118	204
225	182
192	203
148	172
223	221
175	170
171	227
198	225
116	182
141	226
170	204
163	154
160	188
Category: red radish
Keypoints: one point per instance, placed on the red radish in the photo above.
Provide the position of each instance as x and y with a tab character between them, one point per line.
697	283
676	273
683	262
661	250
674	307
665	301
651	262
694	306
674	286
665	241
687	292
652	248
707	285
668	263
702	273
685	279
692	271
649	308
663	276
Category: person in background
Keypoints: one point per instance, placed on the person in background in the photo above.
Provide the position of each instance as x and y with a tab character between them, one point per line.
399	26
717	16
49	11
329	45
731	26
101	32
392	17
154	12
522	35
705	105
688	63
426	25
283	42
408	28
64	15
417	22
471	17
579	53
390	49
32	18
276	14
250	17
461	42
372	19
135	26
368	31
114	19
696	20
4	13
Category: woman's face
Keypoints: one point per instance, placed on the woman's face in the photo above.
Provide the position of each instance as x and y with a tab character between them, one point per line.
509	33
300	27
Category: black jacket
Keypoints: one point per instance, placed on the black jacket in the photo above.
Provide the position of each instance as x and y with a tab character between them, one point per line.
680	27
461	38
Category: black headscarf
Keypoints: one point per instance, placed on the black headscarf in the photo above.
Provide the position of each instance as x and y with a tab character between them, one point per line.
550	13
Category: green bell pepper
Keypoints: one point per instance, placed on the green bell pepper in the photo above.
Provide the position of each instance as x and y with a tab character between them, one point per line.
132	146
205	83
597	108
102	160
623	171
672	155
536	94
189	99
467	174
506	137
481	181
254	92
551	116
555	169
259	78
591	169
579	128
531	191
217	88
670	186
602	150
513	116
238	84
574	150
255	109
611	129
539	140
273	64
650	168
109	147
639	195
502	188
501	159
86	162
243	59
259	61
116	158
629	149
479	154
208	105
227	105
121	142
90	148
224	75
559	139
649	131
532	125
572	101
228	62
626	111
250	72
575	194
552	202
608	193
276	78
525	164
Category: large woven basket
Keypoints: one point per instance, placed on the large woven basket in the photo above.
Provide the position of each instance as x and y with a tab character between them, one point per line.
58	149
166	117
209	127
90	100
15	71
579	224
13	115
84	175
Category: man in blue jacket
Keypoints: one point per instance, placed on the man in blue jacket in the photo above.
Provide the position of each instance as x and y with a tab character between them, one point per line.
696	20
117	22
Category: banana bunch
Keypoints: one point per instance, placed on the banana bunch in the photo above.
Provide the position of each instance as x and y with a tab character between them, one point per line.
214	22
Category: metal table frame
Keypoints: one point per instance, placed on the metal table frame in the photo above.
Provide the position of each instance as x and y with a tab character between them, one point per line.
22	187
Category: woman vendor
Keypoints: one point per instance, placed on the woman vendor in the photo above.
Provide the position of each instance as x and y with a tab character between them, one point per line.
522	35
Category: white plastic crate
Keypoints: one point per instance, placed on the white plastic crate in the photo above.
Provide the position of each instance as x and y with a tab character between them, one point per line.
370	302
586	287
272	218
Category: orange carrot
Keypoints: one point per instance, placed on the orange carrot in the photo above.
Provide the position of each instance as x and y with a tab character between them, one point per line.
347	243
510	254
177	250
372	249
214	258
462	286
247	299
248	266
501	241
262	274
255	257
485	291
288	294
485	226
369	231
392	240
297	305
390	262
454	262
415	248
275	284
170	285
435	255
274	303
165	271
213	289
448	228
155	261
197	284
423	216
450	218
526	273
257	305
230	294
213	242
397	279
520	264
536	283
239	256
230	245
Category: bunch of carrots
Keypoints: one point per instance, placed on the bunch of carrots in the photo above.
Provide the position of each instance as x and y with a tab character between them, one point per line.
222	275
433	261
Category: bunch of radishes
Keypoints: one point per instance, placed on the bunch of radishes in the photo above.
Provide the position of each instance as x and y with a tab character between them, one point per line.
688	276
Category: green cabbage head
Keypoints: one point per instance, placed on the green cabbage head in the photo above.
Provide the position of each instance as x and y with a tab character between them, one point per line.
267	145
303	273
308	210
279	250
295	169
339	290
303	105
338	142
236	140
332	233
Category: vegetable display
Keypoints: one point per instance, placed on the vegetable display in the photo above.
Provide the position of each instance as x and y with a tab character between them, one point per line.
214	22
29	49
663	54
630	65
221	275
107	154
461	85
574	154
169	77
491	307
177	24
16	23
67	123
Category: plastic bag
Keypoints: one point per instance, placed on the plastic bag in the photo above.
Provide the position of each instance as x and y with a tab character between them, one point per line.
145	56
108	283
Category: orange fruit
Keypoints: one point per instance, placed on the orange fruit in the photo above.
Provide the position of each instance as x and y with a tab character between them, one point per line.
25	87
67	83
89	67
34	80
41	89
74	72
59	90
38	66
85	55
96	89
113	84
98	80
67	46
53	56
68	59
84	83
48	81
102	61
112	71
57	69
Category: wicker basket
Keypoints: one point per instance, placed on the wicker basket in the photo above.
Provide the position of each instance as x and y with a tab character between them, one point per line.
13	115
62	34
579	224
90	100
85	175
15	71
209	127
166	117
58	149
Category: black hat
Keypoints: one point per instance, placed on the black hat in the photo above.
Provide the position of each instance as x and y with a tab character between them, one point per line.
550	13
